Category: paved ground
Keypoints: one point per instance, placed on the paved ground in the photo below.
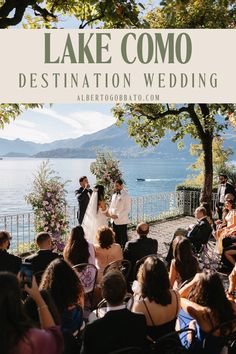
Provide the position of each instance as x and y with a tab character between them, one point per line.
163	230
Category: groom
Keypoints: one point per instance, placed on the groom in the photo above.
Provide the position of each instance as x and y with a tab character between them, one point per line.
119	209
83	195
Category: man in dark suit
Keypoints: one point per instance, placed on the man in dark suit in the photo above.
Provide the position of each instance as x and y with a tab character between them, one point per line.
140	247
83	196
41	259
119	328
201	231
198	233
8	262
223	189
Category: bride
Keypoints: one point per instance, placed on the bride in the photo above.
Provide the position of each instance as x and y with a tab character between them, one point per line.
96	214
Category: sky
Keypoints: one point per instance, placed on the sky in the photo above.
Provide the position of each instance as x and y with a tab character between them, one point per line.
61	121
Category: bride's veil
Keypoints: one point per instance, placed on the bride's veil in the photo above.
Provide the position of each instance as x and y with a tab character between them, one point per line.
90	224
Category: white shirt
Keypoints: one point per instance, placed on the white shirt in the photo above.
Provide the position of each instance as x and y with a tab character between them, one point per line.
222	193
120	206
116	308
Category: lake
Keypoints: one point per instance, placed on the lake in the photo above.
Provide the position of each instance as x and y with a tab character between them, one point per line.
16	177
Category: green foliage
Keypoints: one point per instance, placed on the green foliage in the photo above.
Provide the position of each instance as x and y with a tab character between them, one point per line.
48	201
188	187
220	158
193	14
148	123
227	169
11	111
102	13
107	171
191	187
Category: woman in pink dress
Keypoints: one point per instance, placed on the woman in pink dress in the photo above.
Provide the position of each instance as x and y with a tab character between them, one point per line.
106	250
17	334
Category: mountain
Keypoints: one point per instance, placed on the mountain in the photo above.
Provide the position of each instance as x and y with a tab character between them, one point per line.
16	154
111	138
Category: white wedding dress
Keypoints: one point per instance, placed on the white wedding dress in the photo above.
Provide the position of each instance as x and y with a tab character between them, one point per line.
93	218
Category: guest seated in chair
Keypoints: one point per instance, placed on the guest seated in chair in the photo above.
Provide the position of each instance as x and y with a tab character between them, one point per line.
65	288
119	328
201	231
106	250
77	249
140	247
18	335
184	265
8	262
204	301
198	233
45	255
159	303
228	229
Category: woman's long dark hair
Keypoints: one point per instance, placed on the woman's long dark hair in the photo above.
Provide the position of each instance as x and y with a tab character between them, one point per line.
185	262
13	322
209	292
154	280
77	248
101	191
63	283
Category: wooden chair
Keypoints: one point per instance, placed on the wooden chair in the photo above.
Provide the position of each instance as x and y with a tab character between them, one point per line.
171	342
88	275
139	263
102	306
122	265
228	341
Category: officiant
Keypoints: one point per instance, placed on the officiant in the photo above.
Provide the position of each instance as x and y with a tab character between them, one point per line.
83	195
119	210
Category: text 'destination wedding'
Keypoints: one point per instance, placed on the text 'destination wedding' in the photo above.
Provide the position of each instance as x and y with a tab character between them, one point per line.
173	65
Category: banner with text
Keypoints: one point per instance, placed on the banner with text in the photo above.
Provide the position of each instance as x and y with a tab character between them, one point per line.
104	66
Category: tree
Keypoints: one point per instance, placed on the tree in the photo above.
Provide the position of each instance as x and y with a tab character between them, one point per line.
194	14
148	123
108	13
204	122
10	112
220	157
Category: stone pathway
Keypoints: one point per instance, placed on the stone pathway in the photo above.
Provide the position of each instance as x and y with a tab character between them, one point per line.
163	231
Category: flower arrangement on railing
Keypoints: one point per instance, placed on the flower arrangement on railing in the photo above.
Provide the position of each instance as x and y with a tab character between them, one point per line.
48	201
107	171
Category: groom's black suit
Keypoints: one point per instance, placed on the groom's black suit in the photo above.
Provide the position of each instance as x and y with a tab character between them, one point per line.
83	196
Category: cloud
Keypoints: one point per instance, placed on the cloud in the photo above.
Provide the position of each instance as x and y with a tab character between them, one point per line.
18	130
64	119
26	124
92	121
82	121
33	125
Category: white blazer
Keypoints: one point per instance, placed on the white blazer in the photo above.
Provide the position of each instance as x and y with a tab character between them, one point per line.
120	206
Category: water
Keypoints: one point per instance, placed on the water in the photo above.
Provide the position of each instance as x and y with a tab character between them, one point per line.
16	177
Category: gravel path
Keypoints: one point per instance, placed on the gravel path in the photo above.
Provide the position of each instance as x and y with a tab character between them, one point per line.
163	230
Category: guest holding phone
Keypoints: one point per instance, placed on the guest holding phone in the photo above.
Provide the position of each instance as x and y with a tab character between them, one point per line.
17	334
